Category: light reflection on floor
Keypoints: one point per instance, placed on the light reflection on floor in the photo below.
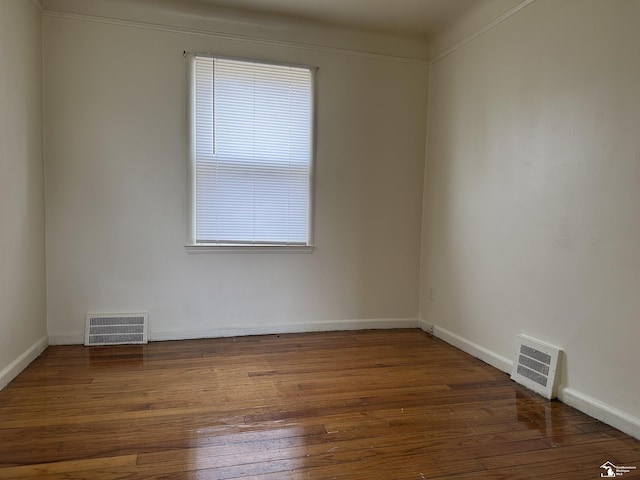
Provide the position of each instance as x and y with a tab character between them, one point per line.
544	417
228	447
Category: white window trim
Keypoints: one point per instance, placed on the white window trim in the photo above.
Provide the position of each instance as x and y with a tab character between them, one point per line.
258	248
191	246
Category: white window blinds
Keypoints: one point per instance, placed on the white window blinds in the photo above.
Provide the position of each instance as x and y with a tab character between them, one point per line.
252	129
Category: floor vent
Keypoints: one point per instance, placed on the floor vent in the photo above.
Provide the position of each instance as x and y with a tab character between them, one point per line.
535	366
116	329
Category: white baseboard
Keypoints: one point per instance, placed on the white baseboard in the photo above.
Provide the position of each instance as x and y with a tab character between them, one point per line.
486	355
213	332
338	325
601	411
425	327
586	404
12	370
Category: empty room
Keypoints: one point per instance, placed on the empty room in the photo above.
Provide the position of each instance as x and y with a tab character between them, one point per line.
305	239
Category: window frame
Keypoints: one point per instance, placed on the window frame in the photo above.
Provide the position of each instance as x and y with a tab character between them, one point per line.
191	245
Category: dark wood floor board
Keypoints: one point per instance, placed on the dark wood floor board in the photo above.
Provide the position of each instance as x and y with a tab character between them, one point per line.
69	468
576	468
374	405
74	445
393	454
541	456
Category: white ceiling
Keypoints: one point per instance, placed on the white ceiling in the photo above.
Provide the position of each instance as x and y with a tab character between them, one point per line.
409	17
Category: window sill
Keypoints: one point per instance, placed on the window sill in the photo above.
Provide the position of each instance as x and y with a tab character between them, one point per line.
202	248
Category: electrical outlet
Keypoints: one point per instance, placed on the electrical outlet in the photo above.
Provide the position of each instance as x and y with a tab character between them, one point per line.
431	294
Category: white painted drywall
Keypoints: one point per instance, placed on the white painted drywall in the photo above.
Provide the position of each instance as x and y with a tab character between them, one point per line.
115	116
532	192
22	262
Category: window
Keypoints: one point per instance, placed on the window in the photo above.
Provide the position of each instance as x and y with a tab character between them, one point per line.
251	152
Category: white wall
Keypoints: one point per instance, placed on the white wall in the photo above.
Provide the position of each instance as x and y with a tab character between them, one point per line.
532	191
116	182
22	262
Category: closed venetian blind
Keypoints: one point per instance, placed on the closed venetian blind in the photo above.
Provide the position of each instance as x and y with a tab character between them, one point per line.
253	152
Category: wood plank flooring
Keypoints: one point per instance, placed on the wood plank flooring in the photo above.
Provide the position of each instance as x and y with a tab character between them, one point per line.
374	405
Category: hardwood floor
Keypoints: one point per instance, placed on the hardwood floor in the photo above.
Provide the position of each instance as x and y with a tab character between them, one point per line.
374	405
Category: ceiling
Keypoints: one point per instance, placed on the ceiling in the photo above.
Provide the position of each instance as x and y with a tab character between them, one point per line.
408	17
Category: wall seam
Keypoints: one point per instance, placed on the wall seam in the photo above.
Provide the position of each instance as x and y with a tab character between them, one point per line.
469	38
